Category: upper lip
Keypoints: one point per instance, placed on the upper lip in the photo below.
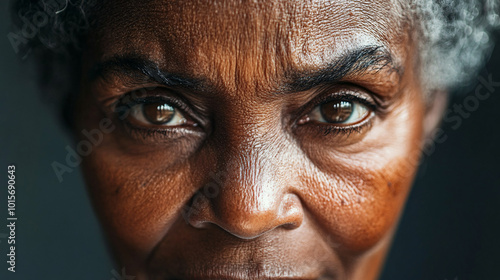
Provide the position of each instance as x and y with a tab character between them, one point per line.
188	255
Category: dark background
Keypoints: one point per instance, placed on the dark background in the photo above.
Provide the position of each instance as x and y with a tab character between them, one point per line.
450	228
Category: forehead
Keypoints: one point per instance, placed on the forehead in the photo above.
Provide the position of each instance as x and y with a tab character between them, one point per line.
245	38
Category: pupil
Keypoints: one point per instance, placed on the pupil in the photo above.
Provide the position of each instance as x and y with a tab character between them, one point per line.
158	112
336	111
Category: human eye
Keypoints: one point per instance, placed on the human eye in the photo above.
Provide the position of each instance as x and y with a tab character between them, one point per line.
156	116
155	112
340	113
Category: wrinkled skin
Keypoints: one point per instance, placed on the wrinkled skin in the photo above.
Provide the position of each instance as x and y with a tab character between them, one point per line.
251	186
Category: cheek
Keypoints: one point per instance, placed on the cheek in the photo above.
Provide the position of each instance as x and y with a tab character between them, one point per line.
359	209
137	197
137	189
135	202
358	193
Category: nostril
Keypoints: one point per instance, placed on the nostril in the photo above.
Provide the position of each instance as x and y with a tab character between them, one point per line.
290	226
197	212
243	221
292	213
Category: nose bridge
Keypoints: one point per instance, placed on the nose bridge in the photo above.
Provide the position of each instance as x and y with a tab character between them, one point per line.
248	154
253	196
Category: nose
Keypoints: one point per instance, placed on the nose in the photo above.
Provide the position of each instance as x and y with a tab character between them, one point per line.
247	197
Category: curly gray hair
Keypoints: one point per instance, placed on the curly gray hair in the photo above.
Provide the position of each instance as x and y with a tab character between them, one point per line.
455	39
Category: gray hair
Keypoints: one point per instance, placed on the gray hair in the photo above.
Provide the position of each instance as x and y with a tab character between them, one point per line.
455	39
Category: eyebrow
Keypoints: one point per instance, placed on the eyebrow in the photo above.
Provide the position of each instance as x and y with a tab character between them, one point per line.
138	68
354	62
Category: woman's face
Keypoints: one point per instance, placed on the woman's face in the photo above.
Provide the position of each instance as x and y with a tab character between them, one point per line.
250	139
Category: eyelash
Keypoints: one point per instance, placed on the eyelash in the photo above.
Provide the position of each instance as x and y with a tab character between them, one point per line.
346	96
149	99
348	130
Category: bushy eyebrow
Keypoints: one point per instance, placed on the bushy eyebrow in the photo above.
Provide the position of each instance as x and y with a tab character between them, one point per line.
354	62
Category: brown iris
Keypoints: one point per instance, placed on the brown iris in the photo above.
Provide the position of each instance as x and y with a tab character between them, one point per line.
158	112
336	111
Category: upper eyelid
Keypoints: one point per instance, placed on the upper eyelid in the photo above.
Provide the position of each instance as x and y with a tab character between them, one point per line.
155	93
338	92
155	98
174	100
348	97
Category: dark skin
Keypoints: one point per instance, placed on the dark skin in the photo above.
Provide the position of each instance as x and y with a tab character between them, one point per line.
252	140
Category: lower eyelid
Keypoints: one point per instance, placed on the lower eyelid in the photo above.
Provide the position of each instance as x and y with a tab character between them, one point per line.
317	129
158	135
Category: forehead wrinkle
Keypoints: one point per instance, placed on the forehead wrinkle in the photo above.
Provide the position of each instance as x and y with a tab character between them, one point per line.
245	45
239	44
335	22
250	54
